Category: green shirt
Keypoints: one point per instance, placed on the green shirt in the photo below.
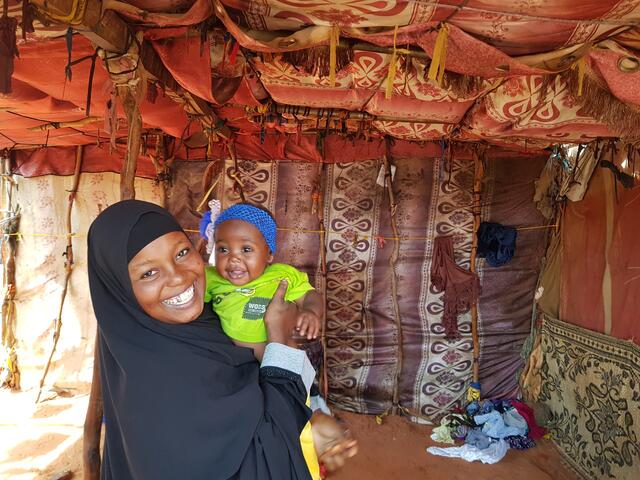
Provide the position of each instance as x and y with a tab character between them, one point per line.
241	308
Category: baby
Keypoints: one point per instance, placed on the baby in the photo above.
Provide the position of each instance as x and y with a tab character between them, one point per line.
244	281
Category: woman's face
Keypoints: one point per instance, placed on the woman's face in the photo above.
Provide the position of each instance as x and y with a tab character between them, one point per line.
168	279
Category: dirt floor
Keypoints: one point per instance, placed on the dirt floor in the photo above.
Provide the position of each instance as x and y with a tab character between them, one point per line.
44	442
397	450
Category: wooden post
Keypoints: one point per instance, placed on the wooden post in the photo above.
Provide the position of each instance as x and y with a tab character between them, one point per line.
318	204
11	221
478	172
93	423
68	265
132	110
95	410
394	279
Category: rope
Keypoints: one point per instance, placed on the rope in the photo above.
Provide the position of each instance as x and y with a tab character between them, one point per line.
282	229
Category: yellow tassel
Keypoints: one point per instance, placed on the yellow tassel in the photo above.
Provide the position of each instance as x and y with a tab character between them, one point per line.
391	74
436	69
581	65
334	39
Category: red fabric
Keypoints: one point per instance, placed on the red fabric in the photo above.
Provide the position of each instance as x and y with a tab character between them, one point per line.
622	84
42	94
583	263
459	286
61	161
516	28
535	431
189	63
624	261
199	11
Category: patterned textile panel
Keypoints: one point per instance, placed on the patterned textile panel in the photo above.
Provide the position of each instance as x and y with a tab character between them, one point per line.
433	198
40	273
591	382
507	291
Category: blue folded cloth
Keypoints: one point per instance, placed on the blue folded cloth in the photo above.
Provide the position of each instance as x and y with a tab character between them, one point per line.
496	243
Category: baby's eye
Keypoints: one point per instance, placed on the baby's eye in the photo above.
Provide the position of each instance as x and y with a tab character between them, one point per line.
247	249
222	249
183	252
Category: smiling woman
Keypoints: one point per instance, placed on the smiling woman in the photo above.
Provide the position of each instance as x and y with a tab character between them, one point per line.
167	277
180	400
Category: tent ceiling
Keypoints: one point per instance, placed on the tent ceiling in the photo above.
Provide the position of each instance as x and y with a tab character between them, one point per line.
514	71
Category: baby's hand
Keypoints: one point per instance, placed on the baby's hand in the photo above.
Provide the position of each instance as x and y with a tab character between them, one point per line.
308	324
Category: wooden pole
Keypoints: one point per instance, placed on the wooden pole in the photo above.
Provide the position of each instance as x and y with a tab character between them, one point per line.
93	422
95	410
68	265
132	110
393	259
11	221
478	172
318	204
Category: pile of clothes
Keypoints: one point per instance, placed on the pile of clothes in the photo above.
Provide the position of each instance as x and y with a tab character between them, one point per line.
488	428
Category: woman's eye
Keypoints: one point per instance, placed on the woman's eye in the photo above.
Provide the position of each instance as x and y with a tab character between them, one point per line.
148	274
183	252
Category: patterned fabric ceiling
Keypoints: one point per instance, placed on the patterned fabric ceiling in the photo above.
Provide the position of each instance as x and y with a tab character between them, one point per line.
526	73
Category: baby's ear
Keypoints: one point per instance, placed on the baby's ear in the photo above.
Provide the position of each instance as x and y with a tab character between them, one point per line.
270	258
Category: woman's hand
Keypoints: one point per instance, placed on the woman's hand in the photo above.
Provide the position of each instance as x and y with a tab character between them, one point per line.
280	317
333	442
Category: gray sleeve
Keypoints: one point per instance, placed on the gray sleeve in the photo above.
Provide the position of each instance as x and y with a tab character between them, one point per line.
291	359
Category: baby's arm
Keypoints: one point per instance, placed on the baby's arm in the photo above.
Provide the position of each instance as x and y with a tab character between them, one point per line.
310	309
258	348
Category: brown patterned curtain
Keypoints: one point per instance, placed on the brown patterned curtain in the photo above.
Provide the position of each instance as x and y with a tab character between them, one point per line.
433	198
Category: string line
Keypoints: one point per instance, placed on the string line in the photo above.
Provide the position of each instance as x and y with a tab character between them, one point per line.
282	229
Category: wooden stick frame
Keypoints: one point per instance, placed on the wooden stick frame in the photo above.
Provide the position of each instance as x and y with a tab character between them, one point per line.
478	173
68	265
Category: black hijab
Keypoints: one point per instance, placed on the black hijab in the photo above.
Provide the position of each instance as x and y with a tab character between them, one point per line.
180	401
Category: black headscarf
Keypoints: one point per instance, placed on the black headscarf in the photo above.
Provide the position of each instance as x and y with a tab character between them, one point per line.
180	401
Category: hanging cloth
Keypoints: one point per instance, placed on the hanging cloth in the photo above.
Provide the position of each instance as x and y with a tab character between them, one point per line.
496	243
461	287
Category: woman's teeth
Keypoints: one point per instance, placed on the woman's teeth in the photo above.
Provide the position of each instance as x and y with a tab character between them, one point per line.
181	299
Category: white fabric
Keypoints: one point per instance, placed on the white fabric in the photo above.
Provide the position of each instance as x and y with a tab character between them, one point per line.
292	359
40	273
492	454
214	206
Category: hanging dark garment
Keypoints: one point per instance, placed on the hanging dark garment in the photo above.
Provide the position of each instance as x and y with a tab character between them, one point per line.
496	243
461	287
181	401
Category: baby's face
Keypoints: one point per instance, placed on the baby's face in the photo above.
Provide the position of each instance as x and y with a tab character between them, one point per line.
241	252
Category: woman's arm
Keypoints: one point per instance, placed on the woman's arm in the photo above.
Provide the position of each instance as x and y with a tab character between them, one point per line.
284	368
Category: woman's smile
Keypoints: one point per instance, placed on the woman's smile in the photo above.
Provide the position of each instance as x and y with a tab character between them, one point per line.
181	299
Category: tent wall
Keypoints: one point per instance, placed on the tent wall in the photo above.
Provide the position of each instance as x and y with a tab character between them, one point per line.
40	273
590	383
600	279
507	291
585	366
434	198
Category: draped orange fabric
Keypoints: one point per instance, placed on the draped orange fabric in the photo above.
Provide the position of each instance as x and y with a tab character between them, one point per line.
585	256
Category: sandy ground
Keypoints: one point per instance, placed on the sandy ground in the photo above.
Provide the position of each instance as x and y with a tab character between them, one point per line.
397	450
44	442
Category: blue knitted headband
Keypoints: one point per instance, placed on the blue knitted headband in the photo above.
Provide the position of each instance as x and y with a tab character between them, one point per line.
256	217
